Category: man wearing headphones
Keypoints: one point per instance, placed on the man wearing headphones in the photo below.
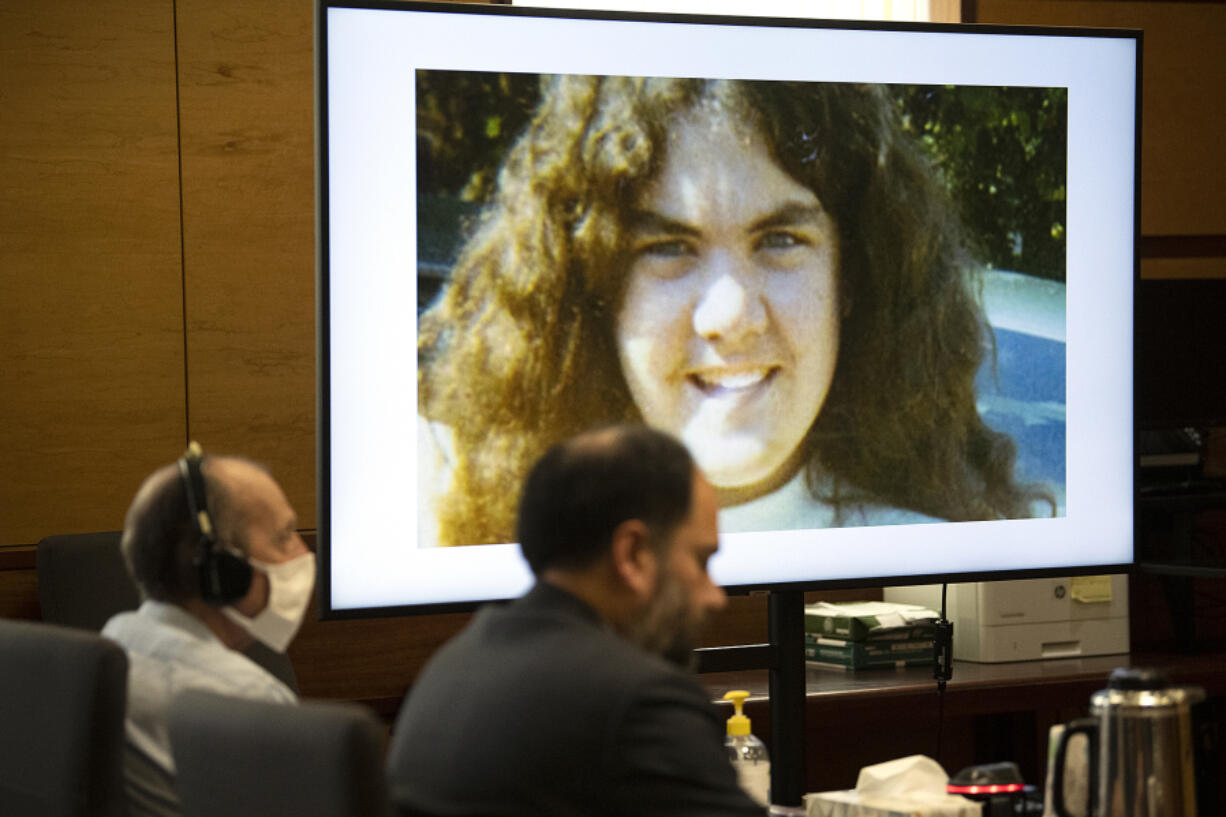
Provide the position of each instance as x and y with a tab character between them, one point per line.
212	544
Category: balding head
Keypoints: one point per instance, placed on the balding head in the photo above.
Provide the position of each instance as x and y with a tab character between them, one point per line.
160	539
583	488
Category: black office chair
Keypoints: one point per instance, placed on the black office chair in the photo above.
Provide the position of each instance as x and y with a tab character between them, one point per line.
62	699
241	758
83	581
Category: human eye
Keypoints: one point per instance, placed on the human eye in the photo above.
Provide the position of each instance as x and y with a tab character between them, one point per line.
286	535
665	248
664	257
782	240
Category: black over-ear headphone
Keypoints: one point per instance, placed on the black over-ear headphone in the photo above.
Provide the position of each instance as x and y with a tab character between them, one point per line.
224	574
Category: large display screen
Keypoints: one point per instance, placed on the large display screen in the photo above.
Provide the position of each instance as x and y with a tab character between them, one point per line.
879	279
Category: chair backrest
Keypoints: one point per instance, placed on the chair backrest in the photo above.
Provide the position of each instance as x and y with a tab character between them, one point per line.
242	758
83	581
62	699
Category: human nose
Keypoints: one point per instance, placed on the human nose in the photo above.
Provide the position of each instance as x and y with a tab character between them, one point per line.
716	598
730	306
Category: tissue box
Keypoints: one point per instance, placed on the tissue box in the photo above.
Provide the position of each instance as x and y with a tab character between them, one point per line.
851	804
870	621
911	786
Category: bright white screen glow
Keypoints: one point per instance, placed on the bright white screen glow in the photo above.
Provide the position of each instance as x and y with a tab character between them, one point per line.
371	251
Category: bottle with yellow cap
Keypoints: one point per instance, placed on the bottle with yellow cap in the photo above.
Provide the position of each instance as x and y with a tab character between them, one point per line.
747	753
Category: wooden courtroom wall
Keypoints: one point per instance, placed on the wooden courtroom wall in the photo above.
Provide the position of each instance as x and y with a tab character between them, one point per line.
122	333
91	330
246	95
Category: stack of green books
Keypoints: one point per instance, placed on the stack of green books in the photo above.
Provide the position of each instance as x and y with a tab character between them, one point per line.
868	634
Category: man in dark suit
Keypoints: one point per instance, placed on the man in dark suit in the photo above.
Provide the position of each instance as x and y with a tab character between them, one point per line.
571	700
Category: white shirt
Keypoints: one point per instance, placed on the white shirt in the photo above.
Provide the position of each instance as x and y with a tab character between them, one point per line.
793	507
790	507
169	651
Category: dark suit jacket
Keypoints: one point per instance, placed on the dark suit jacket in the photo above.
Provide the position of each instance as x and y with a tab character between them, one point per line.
537	708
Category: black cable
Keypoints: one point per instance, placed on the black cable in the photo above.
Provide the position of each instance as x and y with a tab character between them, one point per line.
943	647
942	663
187	392
940	720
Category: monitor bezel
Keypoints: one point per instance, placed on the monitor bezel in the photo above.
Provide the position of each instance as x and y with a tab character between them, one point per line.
323	414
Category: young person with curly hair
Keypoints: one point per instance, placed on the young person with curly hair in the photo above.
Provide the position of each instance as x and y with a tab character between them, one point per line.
771	271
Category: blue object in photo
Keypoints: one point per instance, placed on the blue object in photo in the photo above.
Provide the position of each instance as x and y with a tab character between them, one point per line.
1021	390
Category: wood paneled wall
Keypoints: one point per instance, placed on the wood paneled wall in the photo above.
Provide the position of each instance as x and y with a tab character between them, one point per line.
91	319
124	329
246	91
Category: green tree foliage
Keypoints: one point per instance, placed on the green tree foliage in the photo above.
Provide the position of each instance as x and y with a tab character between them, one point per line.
466	121
1001	151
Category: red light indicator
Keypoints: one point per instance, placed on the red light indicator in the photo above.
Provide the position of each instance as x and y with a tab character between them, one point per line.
995	788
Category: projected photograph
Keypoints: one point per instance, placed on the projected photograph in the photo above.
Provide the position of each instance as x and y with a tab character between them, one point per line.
848	300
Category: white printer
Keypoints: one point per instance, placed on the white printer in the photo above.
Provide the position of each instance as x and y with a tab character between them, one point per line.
1030	619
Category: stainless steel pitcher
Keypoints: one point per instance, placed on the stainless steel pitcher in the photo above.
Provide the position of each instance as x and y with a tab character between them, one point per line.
1142	748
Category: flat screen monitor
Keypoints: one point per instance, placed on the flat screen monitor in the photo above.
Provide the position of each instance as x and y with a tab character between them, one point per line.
879	279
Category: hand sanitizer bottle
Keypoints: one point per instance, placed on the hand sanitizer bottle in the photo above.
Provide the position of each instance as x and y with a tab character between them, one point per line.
747	753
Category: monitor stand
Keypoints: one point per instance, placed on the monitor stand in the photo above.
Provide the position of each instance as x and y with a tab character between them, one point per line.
784	656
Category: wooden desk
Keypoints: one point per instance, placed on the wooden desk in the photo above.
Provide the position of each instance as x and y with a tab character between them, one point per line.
990	712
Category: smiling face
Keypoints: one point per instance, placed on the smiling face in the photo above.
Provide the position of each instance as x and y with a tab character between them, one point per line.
728	331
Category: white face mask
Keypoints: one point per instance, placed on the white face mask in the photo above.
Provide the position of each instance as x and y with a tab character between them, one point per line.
289	593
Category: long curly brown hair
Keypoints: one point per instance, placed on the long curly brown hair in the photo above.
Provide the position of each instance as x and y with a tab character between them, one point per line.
519	351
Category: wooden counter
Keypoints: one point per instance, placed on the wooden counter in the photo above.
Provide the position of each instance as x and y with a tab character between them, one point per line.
990	712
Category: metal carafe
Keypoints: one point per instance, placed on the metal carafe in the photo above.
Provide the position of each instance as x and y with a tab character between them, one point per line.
1141	744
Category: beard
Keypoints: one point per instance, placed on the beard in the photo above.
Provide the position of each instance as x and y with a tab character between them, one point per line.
669	626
